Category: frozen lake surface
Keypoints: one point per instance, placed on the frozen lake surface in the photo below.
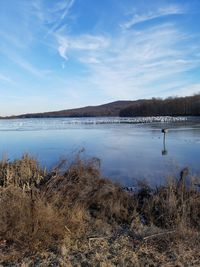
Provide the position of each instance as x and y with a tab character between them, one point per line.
130	149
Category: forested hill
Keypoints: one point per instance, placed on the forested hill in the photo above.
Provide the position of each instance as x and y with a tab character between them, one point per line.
179	106
110	109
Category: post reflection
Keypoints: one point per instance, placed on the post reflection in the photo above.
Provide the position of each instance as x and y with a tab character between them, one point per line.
164	151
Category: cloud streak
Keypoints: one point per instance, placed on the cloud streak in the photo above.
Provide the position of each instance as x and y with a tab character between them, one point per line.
92	59
5	78
159	13
83	43
134	63
54	17
25	64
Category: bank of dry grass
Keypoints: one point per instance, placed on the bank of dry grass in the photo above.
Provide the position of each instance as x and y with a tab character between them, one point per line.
72	216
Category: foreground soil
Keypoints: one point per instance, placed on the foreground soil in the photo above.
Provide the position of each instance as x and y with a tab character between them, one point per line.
72	216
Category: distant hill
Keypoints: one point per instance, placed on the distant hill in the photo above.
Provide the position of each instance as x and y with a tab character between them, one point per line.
110	109
177	106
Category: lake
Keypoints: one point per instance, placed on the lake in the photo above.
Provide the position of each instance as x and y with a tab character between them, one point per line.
129	149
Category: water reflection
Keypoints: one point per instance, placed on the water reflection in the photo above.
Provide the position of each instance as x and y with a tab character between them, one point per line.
164	151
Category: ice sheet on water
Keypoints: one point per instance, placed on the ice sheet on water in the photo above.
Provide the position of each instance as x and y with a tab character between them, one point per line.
63	123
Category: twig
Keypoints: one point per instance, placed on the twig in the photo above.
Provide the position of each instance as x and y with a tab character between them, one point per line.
158	234
67	229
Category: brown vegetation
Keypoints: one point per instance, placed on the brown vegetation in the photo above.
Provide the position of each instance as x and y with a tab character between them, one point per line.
72	216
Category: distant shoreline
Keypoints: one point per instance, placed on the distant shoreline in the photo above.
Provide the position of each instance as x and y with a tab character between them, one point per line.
182	117
178	106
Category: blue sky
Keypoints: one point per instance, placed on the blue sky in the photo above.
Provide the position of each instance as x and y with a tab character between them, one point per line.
60	54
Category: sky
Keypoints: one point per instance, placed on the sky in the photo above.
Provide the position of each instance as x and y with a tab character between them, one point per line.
61	54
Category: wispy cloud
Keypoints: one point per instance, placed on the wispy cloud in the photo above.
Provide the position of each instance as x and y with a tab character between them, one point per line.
24	63
160	12
5	78
134	63
54	16
27	66
93	60
11	39
89	43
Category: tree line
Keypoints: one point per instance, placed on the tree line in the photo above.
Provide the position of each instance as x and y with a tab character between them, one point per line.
172	106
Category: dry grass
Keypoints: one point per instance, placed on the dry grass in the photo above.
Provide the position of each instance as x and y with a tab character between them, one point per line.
28	220
75	217
25	172
170	206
